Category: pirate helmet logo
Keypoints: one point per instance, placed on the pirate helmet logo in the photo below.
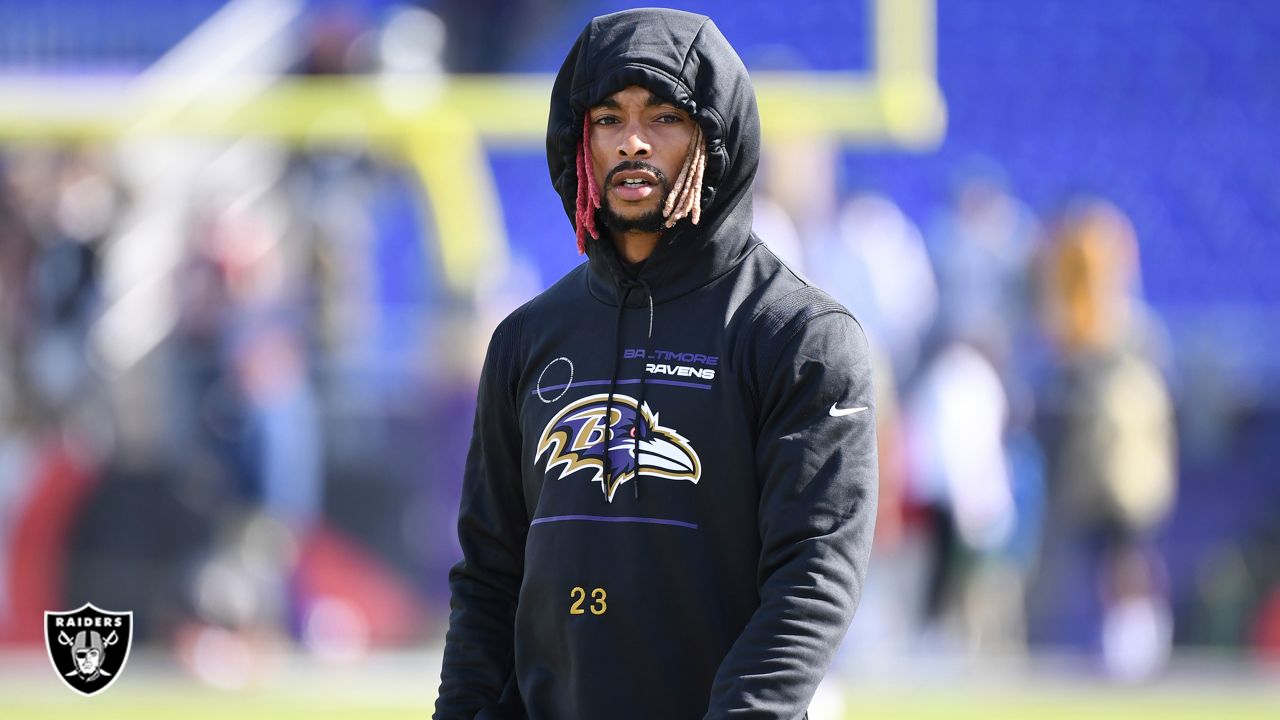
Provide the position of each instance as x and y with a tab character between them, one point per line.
88	647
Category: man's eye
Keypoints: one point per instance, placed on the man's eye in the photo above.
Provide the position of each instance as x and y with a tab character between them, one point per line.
606	120
670	119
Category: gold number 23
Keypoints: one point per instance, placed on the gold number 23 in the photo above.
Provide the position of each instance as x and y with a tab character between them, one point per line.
597	608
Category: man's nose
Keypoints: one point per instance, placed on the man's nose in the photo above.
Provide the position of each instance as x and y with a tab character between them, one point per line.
633	145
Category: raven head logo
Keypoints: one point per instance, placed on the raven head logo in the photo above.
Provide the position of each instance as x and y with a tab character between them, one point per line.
577	438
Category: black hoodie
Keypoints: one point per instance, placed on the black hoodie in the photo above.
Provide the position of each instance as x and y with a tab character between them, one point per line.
709	562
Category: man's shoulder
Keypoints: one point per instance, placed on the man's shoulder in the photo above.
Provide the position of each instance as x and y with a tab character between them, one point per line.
565	292
790	317
786	300
568	290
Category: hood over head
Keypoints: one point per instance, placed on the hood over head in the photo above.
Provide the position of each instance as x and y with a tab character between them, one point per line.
682	57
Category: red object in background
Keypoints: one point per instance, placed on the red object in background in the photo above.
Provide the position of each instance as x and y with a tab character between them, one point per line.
1266	628
39	543
332	567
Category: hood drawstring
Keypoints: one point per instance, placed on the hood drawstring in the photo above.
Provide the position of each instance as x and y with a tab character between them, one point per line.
613	383
648	348
627	284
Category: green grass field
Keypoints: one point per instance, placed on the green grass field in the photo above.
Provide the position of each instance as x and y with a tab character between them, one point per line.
202	705
404	687
198	704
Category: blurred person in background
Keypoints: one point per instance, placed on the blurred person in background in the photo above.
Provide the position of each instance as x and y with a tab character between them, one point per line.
57	207
957	414
707	563
258	324
974	478
876	263
983	245
1109	431
973	490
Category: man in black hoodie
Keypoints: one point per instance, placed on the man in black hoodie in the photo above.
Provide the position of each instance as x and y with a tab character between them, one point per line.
683	354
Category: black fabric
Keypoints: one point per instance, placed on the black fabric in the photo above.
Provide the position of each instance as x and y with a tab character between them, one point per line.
633	268
778	323
724	589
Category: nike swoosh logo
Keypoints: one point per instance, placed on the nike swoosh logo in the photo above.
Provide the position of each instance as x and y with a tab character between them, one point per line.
839	412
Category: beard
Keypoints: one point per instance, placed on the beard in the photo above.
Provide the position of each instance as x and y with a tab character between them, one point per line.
651	221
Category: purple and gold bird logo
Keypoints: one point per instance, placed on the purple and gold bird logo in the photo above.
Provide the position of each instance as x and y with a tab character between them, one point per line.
577	438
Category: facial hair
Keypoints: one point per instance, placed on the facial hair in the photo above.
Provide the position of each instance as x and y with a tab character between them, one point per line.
650	222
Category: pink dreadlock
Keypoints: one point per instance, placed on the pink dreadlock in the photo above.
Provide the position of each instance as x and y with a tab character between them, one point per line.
588	193
685	199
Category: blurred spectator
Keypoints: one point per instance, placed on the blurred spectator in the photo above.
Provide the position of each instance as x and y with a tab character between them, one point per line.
876	265
1111	434
56	208
959	476
982	246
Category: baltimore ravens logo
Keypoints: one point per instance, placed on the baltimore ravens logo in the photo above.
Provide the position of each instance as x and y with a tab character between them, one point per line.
577	436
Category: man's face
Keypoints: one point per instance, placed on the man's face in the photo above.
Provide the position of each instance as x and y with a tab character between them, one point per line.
638	143
87	660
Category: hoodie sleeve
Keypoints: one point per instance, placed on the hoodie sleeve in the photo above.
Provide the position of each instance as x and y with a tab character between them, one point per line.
492	526
816	469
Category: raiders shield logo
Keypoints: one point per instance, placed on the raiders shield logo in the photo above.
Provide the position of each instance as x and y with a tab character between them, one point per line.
88	647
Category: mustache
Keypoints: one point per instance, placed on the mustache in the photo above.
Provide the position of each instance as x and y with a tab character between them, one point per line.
629	165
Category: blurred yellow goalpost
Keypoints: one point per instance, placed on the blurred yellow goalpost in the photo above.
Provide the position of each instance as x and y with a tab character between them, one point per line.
441	126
